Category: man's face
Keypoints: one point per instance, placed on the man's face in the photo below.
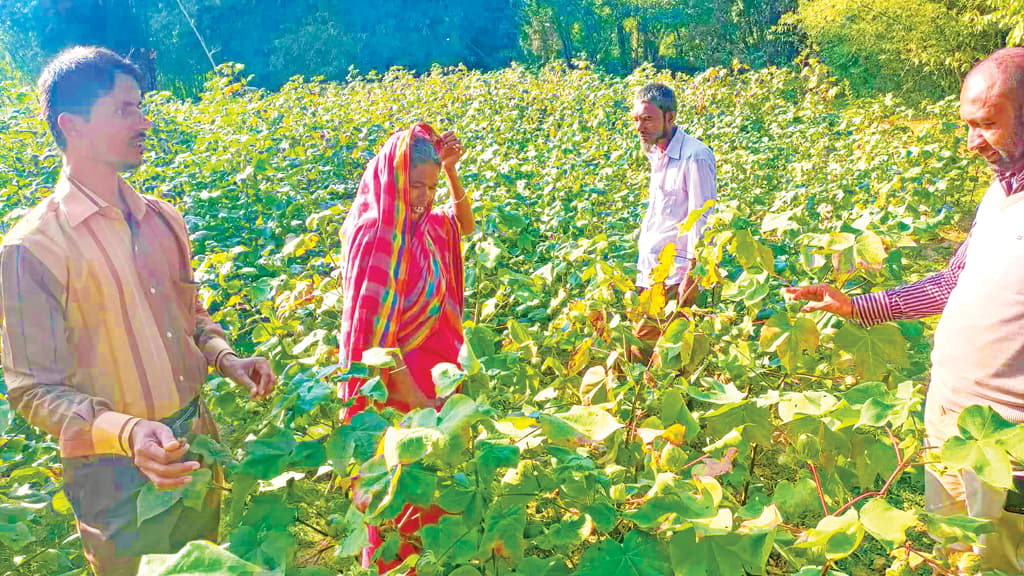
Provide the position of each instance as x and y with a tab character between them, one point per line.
652	125
422	188
992	115
115	132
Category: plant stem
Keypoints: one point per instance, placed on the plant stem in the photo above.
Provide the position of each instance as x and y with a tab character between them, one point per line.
821	492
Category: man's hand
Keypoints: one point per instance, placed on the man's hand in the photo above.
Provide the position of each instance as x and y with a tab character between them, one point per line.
451	150
156	453
253	374
687	293
821	297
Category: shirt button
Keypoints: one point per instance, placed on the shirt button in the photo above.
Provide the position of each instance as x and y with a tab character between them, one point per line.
136	247
181	378
152	290
169	334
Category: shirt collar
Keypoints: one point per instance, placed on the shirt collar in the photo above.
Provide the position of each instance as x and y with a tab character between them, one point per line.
79	202
674	150
1012	180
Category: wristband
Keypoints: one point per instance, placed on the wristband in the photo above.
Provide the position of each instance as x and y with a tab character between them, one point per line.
220	357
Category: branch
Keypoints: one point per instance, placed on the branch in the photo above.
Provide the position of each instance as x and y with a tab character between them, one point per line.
199	36
821	493
903	465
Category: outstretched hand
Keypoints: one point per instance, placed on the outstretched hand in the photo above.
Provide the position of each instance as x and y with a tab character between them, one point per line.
821	297
254	374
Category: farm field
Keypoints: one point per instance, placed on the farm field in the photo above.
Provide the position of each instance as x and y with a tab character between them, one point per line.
758	439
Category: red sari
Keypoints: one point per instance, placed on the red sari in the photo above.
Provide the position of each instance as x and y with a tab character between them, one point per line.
403	288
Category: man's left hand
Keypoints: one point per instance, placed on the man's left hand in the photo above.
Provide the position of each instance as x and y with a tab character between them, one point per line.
254	374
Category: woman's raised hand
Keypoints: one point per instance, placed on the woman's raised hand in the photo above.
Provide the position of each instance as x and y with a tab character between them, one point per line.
451	149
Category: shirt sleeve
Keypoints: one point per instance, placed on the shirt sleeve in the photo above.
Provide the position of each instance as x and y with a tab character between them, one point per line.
37	363
210	336
701	186
926	297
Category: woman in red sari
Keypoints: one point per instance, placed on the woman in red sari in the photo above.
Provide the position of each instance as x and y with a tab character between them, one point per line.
402	279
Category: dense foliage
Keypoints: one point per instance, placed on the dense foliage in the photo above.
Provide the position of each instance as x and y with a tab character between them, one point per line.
758	439
325	37
916	48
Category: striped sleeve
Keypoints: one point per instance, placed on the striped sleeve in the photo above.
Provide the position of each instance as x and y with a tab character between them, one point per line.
37	362
926	297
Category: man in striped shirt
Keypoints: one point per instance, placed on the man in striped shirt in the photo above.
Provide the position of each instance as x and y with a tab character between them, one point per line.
978	356
105	345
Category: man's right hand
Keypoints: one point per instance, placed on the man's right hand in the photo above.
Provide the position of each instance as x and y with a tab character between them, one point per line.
157	454
821	297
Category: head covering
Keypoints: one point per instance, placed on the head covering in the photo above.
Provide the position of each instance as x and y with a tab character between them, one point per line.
394	273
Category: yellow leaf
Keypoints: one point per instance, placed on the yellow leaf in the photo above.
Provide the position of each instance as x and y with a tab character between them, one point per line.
675	434
579	357
769	518
666	264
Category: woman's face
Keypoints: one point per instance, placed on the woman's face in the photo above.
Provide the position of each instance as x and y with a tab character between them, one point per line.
422	188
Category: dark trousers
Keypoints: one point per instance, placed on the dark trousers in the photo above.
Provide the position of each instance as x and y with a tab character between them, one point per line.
103	491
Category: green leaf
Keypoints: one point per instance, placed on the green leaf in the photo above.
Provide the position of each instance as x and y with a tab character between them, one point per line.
488	253
750	252
983	446
868	250
637	555
447	378
839	536
5	415
876	351
380	357
153	501
356	537
811	403
358	439
198	559
14	527
503	533
211	451
310	393
675	411
375	390
194	495
956	528
592	422
491	457
715	392
790	339
407	445
268	456
415	485
887	524
675	345
450	538
719	555
780	221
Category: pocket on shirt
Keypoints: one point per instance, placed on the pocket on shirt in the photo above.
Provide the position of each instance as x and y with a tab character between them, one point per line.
186	293
665	205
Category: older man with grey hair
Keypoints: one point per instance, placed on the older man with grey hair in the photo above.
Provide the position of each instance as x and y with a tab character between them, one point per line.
978	357
683	179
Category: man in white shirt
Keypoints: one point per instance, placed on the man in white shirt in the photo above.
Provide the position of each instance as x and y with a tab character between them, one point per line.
682	181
